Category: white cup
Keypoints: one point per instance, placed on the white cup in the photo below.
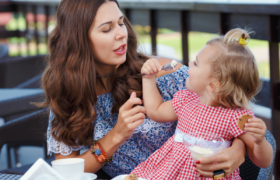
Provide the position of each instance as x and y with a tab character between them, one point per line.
70	168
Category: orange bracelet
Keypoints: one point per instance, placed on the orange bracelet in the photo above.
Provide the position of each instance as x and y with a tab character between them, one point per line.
99	153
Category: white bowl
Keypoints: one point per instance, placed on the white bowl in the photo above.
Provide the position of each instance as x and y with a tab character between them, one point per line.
203	145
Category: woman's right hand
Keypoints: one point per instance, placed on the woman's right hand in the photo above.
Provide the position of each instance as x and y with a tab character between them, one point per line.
129	118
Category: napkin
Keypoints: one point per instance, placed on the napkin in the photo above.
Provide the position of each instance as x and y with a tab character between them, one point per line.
41	170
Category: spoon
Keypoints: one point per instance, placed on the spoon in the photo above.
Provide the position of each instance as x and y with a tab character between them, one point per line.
166	67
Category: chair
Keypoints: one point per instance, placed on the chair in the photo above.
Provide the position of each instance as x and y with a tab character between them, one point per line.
4	50
27	130
15	103
34	82
249	171
16	70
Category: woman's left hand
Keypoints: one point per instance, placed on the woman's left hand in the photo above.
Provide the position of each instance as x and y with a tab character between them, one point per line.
229	159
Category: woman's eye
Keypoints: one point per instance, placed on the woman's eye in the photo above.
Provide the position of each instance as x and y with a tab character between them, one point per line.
107	30
195	63
121	24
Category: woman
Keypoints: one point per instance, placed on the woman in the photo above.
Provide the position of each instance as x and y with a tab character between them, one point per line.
94	93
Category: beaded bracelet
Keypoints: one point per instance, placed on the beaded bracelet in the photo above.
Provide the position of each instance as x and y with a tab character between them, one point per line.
99	153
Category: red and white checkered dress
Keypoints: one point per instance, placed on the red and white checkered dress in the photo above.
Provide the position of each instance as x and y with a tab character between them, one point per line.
173	161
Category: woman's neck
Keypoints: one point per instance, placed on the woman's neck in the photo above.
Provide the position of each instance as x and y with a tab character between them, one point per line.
103	85
104	81
104	69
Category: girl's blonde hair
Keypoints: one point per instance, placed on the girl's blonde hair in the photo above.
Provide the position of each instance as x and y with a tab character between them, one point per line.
235	68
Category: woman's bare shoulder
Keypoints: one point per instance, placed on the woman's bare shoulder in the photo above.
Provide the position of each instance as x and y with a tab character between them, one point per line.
163	61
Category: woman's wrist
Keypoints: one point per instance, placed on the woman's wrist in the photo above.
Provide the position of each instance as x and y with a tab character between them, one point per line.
239	146
99	153
109	143
112	141
118	139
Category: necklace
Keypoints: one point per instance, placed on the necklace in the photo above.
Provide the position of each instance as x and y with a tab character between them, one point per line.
104	75
101	111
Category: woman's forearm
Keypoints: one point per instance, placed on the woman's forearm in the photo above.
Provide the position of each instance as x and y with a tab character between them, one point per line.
110	144
238	152
239	145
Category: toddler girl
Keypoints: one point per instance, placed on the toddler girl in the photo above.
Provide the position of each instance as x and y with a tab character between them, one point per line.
222	81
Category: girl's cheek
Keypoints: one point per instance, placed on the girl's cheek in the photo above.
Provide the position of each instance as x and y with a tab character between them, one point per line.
189	72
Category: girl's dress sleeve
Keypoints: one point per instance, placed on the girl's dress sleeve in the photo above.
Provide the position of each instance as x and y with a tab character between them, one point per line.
55	146
170	83
234	129
179	100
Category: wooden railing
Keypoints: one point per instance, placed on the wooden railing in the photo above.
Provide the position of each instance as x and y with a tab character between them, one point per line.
186	17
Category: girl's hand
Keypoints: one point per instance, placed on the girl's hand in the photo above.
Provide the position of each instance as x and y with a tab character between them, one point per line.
257	128
129	118
150	68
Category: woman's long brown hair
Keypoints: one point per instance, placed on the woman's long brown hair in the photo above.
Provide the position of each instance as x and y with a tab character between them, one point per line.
69	79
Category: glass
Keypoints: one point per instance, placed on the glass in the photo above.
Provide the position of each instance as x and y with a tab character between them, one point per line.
202	145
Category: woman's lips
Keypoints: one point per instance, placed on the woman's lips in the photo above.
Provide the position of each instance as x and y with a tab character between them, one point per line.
121	50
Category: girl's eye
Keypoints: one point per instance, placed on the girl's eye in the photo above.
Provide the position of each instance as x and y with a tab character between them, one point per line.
121	24
195	63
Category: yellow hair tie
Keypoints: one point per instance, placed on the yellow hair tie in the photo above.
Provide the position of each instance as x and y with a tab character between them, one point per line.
242	41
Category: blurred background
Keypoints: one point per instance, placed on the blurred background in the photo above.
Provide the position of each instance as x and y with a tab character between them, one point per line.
177	29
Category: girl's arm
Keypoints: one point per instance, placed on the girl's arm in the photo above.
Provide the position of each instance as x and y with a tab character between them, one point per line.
258	148
156	109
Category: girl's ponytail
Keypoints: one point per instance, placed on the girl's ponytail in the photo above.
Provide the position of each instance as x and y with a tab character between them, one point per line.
237	36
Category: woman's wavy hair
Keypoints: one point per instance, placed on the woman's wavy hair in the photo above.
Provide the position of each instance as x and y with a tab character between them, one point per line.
236	70
69	79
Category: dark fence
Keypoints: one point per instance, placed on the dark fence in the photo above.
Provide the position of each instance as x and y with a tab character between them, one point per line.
186	17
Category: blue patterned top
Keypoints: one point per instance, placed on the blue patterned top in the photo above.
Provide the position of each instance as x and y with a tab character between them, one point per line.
146	139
